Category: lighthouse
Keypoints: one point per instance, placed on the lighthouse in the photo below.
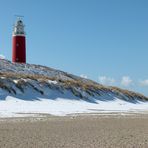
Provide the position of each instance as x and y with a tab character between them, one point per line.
19	42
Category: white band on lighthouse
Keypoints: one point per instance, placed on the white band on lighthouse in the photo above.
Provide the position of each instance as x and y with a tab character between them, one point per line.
18	29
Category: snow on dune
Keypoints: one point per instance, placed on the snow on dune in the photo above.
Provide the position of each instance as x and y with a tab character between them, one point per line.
28	90
14	107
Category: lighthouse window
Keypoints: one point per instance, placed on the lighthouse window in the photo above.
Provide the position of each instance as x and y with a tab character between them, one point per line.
17	44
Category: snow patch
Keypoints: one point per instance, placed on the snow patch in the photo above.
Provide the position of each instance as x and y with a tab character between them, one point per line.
52	82
15	81
14	107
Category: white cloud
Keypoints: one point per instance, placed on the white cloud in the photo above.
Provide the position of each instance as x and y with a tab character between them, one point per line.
2	56
144	83
126	81
106	80
83	76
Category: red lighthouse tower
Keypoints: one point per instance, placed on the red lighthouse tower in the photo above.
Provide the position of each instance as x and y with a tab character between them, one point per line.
19	42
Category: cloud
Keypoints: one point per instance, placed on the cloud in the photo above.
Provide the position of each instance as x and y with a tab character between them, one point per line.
126	81
144	82
2	56
106	80
83	76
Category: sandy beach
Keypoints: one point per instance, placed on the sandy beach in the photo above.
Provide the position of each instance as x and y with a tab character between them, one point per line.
75	132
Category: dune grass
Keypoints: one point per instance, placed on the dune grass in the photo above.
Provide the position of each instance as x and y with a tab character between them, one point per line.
74	85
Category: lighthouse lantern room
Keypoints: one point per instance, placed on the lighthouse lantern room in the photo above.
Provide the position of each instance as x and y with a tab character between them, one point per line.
19	42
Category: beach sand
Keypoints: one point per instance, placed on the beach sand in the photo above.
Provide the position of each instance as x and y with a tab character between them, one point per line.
85	131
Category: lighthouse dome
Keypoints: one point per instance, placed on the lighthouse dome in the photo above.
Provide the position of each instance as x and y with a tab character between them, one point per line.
19	28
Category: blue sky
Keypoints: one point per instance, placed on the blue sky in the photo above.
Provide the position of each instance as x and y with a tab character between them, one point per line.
105	40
